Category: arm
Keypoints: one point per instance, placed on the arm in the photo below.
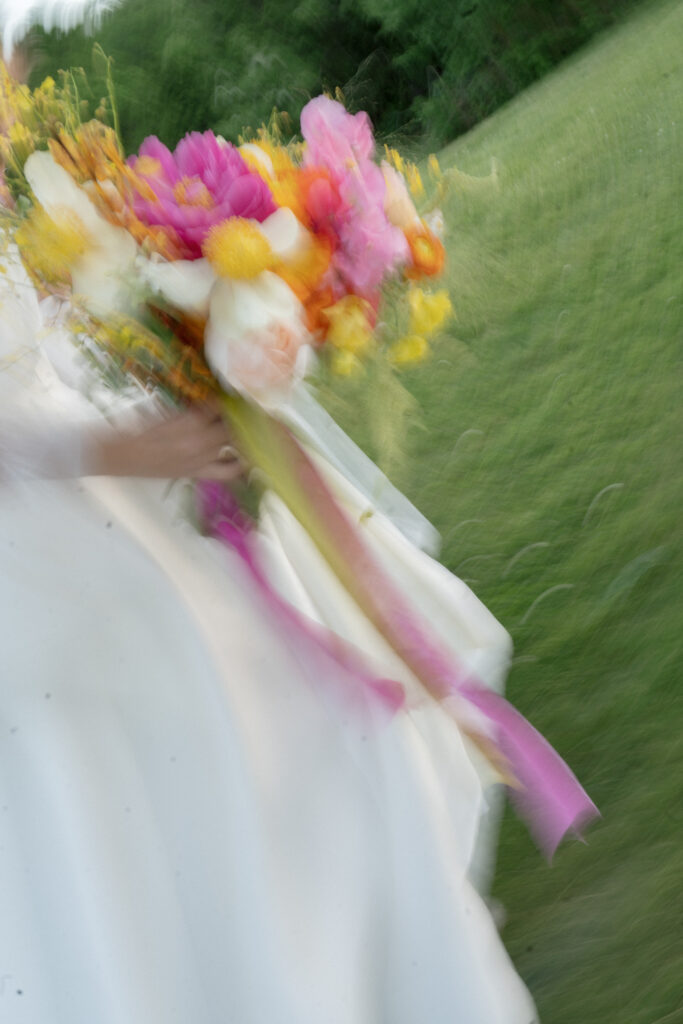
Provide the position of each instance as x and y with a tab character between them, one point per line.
187	444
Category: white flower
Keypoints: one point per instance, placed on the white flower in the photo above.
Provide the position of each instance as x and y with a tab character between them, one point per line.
256	340
100	274
186	284
435	222
251	149
398	206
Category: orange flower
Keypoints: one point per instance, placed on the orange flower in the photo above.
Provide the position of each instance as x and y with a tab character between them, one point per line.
317	320
427	252
286	191
274	164
305	272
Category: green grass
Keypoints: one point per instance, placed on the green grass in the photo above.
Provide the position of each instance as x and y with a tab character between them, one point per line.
552	458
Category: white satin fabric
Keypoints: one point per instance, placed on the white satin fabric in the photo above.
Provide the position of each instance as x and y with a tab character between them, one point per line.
198	823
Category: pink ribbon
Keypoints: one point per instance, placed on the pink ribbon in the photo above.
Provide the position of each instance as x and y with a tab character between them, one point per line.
227	523
548	796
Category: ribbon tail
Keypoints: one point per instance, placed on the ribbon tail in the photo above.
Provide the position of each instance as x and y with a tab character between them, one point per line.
548	796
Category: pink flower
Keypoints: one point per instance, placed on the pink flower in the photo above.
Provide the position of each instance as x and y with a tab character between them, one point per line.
368	246
202	183
333	136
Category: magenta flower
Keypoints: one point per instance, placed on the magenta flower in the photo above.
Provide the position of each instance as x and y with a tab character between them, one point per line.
369	246
202	183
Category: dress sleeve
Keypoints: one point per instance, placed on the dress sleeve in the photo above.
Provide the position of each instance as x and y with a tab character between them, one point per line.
35	448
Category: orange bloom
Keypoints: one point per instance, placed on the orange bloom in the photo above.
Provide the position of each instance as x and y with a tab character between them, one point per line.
274	164
305	272
317	320
427	252
286	191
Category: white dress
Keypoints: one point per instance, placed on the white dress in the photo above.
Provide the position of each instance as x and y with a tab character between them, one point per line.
201	820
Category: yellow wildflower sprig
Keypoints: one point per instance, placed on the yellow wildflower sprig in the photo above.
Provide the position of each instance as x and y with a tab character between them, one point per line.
156	362
412	317
428	312
350	334
28	119
31	119
408	169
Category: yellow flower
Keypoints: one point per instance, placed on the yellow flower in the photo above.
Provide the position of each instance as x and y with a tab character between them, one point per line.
349	329
22	141
428	311
237	248
434	167
44	95
414	180
50	246
6	152
344	363
267	157
394	158
410	349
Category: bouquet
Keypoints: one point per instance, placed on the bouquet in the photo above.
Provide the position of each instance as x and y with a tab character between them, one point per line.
215	272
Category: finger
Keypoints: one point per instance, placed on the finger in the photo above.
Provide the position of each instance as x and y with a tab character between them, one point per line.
206	434
218	450
196	443
217	433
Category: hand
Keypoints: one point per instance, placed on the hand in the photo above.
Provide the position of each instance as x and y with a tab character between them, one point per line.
188	444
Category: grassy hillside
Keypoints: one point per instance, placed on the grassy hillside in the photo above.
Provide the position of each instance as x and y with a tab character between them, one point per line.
552	463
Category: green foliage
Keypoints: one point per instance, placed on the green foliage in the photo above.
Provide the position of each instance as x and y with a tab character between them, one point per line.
425	71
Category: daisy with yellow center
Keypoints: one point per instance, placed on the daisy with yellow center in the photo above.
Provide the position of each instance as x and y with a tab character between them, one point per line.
238	249
51	245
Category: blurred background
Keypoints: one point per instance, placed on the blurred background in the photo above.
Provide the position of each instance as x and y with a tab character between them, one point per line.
427	72
543	437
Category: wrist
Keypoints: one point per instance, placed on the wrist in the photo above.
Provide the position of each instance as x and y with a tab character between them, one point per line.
104	454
